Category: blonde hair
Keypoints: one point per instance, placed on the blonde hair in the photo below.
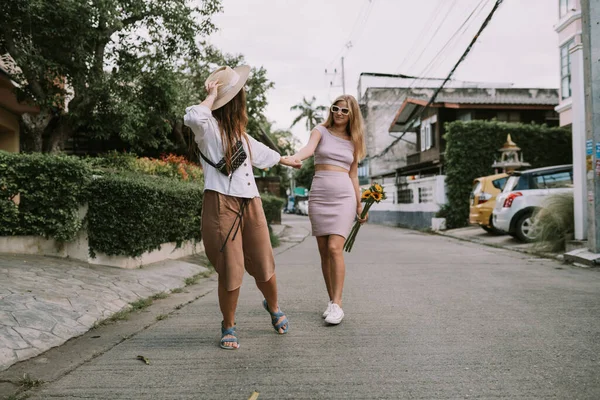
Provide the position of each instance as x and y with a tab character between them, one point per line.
355	126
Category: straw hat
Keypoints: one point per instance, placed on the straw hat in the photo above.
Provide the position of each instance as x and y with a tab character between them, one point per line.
231	80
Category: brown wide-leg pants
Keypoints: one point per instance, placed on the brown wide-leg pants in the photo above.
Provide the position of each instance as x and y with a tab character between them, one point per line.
248	248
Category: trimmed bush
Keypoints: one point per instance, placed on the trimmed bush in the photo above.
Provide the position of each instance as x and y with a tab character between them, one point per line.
473	146
272	205
51	188
131	214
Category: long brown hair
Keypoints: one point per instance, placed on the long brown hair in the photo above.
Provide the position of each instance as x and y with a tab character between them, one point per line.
232	118
355	126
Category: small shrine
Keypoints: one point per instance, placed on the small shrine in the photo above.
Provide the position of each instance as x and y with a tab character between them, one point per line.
511	159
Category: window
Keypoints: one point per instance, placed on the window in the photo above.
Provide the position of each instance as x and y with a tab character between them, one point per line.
425	195
499	183
508	116
565	70
564	7
427	134
554	180
405	196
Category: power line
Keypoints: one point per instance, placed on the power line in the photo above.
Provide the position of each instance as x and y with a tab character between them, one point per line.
422	76
432	99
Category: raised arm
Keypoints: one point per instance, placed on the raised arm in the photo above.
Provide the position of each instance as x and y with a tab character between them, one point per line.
196	117
309	149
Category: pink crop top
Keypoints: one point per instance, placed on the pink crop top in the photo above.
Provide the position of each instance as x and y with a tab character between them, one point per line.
333	150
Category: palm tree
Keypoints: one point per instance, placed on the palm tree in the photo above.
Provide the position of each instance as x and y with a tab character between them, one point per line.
309	111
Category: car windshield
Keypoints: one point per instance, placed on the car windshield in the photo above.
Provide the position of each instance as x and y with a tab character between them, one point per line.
511	183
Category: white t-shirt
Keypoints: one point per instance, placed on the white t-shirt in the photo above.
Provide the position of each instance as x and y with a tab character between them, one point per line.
208	138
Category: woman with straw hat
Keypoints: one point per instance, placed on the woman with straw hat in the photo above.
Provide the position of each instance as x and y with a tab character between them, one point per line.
234	227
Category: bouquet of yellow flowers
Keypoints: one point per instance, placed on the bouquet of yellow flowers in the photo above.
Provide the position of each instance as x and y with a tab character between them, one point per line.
374	194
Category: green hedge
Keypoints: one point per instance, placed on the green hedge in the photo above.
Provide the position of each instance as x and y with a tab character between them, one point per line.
272	205
473	146
131	214
51	189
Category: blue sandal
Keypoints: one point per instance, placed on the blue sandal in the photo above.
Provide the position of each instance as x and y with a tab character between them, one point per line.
229	332
275	316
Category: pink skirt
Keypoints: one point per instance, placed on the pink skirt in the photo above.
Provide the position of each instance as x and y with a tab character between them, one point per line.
331	204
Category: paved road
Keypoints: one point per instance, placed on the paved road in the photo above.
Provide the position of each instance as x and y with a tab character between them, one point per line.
427	317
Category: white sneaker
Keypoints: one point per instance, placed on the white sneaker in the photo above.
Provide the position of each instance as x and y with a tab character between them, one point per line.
336	315
328	310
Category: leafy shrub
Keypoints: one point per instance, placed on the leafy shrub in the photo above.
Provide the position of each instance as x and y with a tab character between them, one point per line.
170	165
131	214
51	188
272	205
472	147
554	222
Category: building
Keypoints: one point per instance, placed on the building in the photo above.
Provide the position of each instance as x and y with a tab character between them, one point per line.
571	107
463	104
10	108
405	138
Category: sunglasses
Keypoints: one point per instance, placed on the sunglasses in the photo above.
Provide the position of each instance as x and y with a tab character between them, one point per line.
343	110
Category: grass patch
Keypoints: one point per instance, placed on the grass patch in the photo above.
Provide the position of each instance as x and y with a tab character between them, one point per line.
27	382
192	280
141	304
161	317
554	223
275	242
177	290
161	295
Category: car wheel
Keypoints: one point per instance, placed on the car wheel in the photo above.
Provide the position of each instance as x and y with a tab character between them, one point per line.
525	229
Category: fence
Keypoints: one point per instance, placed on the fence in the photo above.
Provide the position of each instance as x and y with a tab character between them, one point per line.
410	203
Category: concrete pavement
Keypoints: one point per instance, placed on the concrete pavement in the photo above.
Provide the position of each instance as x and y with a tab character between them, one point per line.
427	317
46	301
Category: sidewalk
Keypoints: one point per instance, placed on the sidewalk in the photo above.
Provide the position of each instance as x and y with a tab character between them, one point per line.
427	317
45	301
475	234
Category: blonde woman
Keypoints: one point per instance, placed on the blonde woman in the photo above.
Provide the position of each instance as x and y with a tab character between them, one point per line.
334	200
234	227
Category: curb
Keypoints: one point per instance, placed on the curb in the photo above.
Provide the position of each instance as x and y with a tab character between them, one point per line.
552	256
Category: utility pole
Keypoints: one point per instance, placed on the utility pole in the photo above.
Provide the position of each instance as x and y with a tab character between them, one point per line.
334	74
343	78
591	72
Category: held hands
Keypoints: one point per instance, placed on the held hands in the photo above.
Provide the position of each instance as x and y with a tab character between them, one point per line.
291	161
358	213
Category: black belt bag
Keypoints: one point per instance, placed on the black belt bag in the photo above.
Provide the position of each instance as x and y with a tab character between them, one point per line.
237	159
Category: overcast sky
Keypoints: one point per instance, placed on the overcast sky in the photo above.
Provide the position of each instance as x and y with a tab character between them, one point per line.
297	40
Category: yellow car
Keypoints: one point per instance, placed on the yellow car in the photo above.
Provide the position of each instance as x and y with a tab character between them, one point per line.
483	200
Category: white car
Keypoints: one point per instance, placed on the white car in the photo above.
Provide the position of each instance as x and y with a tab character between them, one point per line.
524	193
303	207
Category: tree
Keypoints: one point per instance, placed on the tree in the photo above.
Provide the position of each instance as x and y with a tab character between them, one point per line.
96	65
308	111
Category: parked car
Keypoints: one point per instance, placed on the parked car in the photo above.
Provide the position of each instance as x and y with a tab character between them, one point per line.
523	194
303	207
483	200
